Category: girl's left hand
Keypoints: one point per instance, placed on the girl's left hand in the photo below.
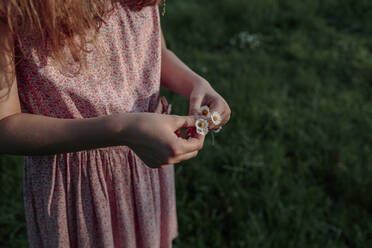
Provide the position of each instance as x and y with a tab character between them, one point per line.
203	94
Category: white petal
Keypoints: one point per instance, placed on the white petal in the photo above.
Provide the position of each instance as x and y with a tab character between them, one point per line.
204	109
216	118
203	122
202	131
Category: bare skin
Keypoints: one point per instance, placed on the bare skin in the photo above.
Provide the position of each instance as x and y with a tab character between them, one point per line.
179	78
150	135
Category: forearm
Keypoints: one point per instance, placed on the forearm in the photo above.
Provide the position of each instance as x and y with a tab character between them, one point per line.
176	76
28	134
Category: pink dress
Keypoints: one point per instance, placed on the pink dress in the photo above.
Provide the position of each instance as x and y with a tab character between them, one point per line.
103	197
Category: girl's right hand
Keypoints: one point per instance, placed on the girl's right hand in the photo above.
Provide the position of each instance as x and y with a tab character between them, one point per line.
152	137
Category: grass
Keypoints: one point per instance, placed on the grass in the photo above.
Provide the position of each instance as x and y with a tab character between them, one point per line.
12	217
292	168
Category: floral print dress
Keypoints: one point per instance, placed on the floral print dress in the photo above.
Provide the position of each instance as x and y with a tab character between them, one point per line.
104	197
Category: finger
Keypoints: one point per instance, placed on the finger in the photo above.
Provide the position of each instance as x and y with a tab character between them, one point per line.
191	144
186	156
159	107
219	107
166	106
164	101
184	121
225	115
195	104
225	118
182	157
169	109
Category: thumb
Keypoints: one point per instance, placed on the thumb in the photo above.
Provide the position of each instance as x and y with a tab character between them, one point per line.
195	104
184	121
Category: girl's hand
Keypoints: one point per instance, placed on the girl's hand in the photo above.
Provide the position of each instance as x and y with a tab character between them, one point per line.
203	94
152	137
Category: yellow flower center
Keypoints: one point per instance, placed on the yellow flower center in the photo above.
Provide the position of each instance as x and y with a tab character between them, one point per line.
215	118
204	112
201	124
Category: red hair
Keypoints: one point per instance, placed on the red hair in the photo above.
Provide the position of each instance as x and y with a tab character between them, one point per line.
57	22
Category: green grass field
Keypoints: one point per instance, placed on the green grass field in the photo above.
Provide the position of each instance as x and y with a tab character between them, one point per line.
293	166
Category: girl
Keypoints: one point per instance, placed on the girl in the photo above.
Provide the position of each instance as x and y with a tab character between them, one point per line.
80	99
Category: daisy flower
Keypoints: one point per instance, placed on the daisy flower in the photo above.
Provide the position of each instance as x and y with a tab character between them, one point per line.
201	126
202	131
204	111
216	118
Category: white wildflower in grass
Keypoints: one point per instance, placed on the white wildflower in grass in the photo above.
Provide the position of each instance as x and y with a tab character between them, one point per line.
245	40
201	126
216	118
204	111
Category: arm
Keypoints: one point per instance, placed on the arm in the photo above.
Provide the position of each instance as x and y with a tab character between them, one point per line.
179	78
175	75
27	134
150	135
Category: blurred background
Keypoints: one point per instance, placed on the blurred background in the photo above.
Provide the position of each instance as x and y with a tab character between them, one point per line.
293	166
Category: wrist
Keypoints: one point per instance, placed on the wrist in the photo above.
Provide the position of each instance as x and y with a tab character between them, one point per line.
203	82
120	128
